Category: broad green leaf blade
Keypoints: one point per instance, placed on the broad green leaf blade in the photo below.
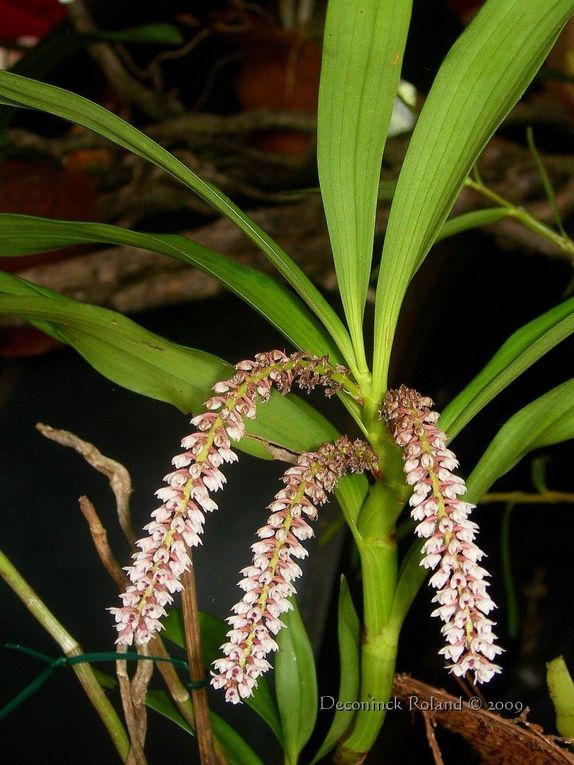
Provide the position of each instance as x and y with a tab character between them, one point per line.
295	685
25	235
349	633
547	420
145	363
236	748
213	635
470	220
118	348
522	349
363	49
483	76
20	91
561	688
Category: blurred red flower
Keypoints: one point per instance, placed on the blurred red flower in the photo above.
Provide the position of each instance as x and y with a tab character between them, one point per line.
28	18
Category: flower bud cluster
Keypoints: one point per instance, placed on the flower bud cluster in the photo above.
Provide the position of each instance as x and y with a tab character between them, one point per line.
463	603
268	581
178	523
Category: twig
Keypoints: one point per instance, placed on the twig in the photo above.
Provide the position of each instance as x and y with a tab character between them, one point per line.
431	738
100	539
69	647
138	689
196	668
563	243
127	86
137	756
176	688
117	475
139	686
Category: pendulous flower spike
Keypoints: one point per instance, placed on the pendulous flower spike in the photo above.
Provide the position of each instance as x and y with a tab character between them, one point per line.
177	524
268	582
462	600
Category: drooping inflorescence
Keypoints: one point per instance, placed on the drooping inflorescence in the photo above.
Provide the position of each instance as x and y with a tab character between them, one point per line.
443	520
178	523
268	581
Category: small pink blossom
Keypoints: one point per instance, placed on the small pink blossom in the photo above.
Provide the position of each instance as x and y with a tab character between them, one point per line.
462	599
268	582
177	524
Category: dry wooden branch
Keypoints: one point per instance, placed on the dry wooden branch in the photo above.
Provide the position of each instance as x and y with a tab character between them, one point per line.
134	692
100	540
117	475
132	717
498	740
431	738
196	668
129	88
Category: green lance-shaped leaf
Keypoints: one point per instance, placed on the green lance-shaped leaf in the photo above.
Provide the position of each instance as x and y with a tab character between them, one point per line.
547	420
363	49
213	635
475	219
349	633
21	91
522	349
146	363
561	688
483	76
236	748
295	685
25	235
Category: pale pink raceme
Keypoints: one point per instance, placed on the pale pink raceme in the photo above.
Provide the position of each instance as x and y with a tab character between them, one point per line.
178	523
268	581
463	602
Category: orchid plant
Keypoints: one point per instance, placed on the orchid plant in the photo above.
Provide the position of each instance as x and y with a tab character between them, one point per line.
402	457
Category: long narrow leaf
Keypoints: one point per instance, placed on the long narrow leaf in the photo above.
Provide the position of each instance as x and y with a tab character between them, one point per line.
349	633
144	362
363	50
470	220
24	235
522	349
547	420
21	91
483	76
295	685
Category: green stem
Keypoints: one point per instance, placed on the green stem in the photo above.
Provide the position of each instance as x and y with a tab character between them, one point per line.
377	671
378	551
524	498
564	243
70	647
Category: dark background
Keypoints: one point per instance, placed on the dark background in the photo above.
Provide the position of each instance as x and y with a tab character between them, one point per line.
469	297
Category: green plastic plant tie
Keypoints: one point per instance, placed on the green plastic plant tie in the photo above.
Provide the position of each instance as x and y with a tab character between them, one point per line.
90	658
